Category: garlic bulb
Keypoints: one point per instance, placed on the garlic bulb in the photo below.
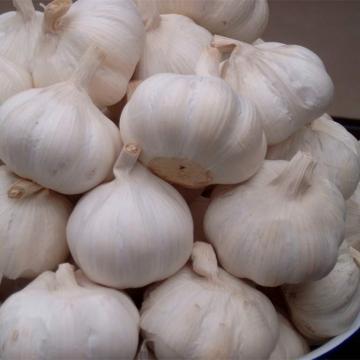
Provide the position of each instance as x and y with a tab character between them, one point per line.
288	83
57	137
327	307
173	43
352	220
240	19
68	30
13	79
279	232
290	345
32	227
331	145
194	130
19	32
64	316
204	313
198	209
141	233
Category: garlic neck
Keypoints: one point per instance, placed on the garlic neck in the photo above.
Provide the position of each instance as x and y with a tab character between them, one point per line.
204	261
53	13
25	8
295	179
209	63
224	44
150	14
65	277
126	160
23	188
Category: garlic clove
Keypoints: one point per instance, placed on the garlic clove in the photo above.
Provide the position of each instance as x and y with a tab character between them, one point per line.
57	137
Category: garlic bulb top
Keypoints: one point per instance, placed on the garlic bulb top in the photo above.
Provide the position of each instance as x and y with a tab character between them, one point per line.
194	130
240	19
352	220
63	316
13	79
288	83
279	232
173	43
327	307
19	32
204	313
142	232
32	227
68	30
57	137
290	345
331	145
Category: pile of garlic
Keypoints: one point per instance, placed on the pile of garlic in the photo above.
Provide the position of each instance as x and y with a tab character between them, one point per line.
165	173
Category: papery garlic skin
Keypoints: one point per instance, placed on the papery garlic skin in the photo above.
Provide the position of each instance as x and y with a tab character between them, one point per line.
204	313
335	150
240	19
141	233
327	307
290	345
288	83
32	230
63	316
194	130
115	26
19	32
352	220
57	137
278	232
13	79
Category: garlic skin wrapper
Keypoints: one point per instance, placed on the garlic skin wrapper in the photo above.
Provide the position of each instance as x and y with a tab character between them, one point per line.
194	130
352	220
173	43
13	79
327	307
290	345
141	233
288	83
204	313
63	315
57	137
244	20
335	150
278	232
68	30
32	227
19	32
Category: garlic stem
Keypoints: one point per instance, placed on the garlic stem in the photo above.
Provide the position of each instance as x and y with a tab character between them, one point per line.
126	160
25	8
89	63
295	179
65	276
209	62
23	188
204	261
224	44
53	13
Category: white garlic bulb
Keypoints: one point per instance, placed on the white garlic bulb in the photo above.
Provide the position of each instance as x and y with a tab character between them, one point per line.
290	345
198	209
327	307
204	313
68	30
288	83
352	220
335	150
279	232
13	79
57	137
64	316
194	130
32	227
240	19
19	32
173	43
141	233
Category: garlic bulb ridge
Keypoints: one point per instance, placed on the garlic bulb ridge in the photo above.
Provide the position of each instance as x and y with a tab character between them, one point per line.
278	233
288	84
68	30
63	316
57	137
141	233
204	313
32	227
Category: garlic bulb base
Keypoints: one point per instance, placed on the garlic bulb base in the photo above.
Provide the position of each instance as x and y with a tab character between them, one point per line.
53	13
23	188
